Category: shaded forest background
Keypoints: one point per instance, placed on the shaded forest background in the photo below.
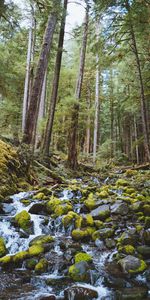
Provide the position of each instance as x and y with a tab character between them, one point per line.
103	97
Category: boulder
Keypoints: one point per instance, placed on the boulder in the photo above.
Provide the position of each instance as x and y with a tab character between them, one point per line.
80	271
37	208
103	233
80	293
144	250
101	213
131	264
134	293
120	208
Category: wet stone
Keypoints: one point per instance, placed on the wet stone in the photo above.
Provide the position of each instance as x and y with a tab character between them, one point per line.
101	213
37	209
119	208
80	293
136	293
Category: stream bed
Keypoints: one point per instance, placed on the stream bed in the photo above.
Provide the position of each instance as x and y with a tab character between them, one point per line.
102	278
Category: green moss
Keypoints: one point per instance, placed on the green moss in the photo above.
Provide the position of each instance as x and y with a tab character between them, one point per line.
130	191
68	219
103	194
52	204
20	256
90	202
61	210
41	266
78	222
142	268
25	202
39	196
74	272
82	256
3	249
128	249
43	239
130	173
140	198
139	228
103	215
6	260
89	220
98	224
122	182
23	220
79	235
103	233
35	250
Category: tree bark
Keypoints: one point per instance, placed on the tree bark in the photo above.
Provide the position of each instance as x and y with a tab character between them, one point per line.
97	97
53	101
32	114
73	134
141	85
27	80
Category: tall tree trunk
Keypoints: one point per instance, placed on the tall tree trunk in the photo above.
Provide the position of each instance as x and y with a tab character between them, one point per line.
136	141
97	97
142	94
73	134
88	129
51	113
32	114
41	114
30	55
27	80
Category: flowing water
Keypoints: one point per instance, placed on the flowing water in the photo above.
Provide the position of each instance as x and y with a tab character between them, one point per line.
34	286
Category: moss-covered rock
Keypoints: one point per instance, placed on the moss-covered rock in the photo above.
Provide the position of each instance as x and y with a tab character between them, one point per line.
90	202
23	220
6	260
132	265
146	209
31	263
35	250
128	249
101	213
42	239
3	249
62	209
39	196
80	271
52	204
129	173
79	235
82	256
122	182
20	256
147	222
69	218
41	266
103	233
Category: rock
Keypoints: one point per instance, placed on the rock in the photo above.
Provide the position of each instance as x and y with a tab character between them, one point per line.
103	233
132	265
2	212
48	297
101	213
110	243
3	249
37	208
82	256
41	266
144	250
80	272
135	293
41	240
23	220
79	235
127	238
146	236
120	208
80	293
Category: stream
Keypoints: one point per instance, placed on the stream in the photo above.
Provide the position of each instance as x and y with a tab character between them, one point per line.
24	284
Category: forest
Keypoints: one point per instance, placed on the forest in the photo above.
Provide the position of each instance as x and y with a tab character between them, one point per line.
75	149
